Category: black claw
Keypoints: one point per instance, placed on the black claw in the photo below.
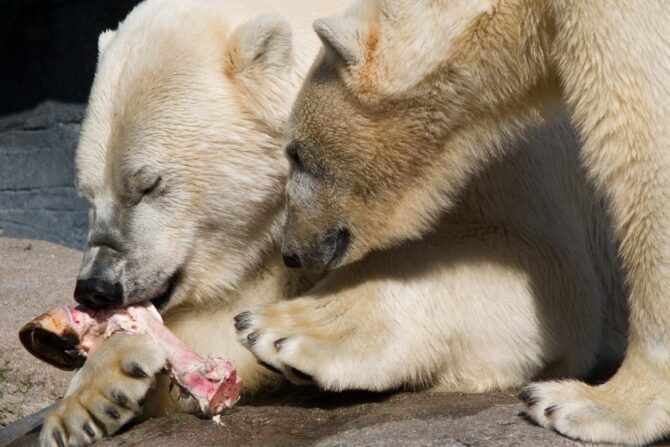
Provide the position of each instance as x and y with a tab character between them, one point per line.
528	397
550	410
120	398
58	436
279	343
97	422
526	417
270	367
137	371
242	321
89	430
301	375
253	338
112	412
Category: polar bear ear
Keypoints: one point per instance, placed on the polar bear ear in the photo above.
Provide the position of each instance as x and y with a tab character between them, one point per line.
265	40
340	35
104	39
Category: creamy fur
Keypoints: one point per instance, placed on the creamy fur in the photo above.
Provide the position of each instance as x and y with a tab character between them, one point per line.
494	295
474	74
189	103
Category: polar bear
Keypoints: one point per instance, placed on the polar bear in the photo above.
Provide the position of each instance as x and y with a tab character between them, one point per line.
180	160
412	99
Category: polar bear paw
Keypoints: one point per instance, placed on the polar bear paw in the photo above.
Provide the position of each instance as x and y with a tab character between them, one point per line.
106	393
307	341
621	411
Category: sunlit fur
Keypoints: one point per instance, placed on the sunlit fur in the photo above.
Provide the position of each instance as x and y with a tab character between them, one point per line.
197	93
411	99
479	304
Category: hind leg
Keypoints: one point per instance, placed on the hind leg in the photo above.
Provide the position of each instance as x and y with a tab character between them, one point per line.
632	407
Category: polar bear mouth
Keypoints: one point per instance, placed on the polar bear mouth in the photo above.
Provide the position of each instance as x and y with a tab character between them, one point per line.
161	300
338	243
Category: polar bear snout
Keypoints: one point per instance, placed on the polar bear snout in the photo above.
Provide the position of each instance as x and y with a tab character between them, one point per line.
291	260
109	278
98	293
98	283
323	253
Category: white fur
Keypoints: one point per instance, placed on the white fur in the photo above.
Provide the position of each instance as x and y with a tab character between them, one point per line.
180	93
104	39
519	281
476	76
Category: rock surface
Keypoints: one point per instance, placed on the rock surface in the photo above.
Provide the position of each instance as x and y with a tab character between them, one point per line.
34	276
37	275
37	195
297	417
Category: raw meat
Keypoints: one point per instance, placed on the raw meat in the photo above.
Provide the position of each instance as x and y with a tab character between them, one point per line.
64	336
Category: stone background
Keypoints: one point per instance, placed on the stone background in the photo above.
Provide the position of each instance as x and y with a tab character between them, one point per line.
37	195
48	50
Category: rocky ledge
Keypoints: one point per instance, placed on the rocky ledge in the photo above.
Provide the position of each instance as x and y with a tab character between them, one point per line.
302	417
37	195
37	275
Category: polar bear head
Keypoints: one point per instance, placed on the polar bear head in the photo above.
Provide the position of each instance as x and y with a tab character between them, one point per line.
405	101
179	156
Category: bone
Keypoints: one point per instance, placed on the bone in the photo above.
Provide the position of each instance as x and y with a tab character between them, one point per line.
64	337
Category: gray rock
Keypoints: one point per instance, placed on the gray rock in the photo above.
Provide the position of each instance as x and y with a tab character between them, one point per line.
37	195
296	417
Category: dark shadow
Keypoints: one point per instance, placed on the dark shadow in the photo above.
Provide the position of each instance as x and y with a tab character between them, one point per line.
312	397
48	48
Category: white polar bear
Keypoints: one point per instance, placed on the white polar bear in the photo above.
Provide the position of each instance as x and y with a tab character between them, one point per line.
180	160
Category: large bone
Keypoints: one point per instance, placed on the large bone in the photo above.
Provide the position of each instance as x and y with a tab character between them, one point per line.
63	337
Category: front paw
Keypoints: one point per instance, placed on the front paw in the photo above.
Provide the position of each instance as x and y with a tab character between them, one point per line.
106	393
269	345
308	341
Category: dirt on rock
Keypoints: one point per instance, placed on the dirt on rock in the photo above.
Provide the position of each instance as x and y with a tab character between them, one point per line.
299	416
34	276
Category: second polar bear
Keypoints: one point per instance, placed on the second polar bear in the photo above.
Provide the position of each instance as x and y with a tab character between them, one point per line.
414	97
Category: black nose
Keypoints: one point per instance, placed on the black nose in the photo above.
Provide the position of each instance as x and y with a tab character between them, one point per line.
97	293
292	260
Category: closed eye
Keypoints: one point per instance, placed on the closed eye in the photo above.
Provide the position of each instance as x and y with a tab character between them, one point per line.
151	188
294	156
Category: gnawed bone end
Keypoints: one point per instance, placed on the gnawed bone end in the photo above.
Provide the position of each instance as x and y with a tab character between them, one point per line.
50	340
